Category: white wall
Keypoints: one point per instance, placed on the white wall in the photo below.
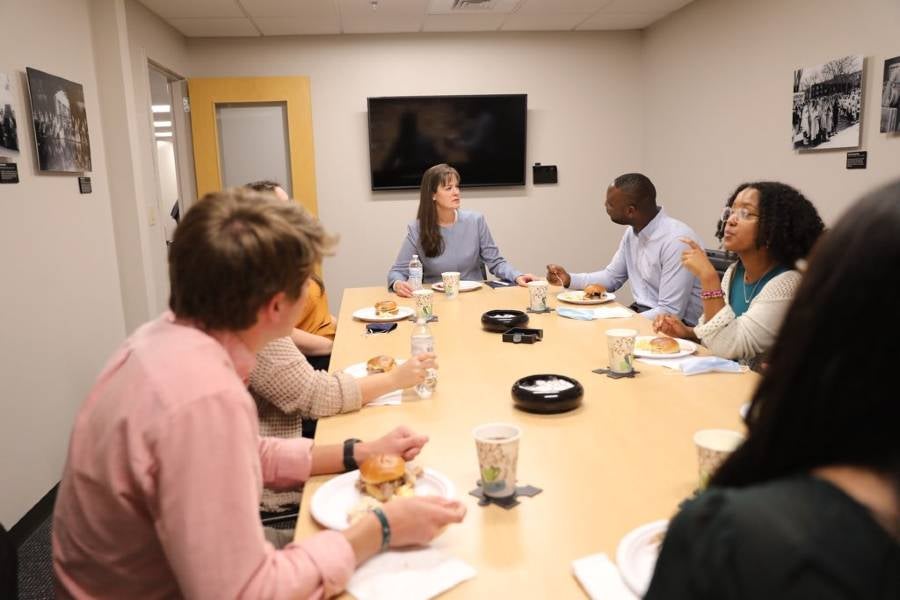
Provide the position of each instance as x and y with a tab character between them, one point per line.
718	87
60	303
584	115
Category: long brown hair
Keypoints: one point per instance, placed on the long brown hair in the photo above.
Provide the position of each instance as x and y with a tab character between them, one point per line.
429	230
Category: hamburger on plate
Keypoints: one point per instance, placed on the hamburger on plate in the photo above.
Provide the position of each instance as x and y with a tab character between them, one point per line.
380	364
594	291
386	308
664	345
383	476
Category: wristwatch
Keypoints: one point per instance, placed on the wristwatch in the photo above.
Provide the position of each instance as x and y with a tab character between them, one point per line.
349	461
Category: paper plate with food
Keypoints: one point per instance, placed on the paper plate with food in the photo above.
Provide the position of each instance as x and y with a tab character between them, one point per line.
465	285
637	553
662	346
379	479
384	310
592	294
377	364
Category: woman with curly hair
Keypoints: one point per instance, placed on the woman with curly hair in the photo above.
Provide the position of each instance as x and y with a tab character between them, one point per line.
809	505
447	238
770	226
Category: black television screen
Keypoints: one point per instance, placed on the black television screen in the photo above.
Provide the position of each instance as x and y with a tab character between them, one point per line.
483	137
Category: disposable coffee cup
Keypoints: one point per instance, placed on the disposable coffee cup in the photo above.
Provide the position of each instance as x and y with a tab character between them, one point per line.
713	447
620	344
424	303
537	295
497	445
451	284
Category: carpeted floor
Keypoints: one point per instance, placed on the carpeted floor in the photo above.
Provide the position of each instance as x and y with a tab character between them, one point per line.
36	565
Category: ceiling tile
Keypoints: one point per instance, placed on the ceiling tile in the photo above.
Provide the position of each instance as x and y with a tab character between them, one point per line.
180	9
552	22
383	8
215	27
298	26
648	6
382	24
556	7
389	16
310	9
604	20
466	22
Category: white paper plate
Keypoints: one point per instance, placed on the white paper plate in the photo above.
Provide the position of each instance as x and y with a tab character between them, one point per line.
687	347
368	314
332	501
637	553
577	297
464	285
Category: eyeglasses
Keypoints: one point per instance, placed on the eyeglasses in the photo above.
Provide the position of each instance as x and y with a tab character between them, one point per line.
742	214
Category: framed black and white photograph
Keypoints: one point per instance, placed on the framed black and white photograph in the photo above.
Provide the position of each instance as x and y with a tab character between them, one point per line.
60	123
890	96
9	135
827	104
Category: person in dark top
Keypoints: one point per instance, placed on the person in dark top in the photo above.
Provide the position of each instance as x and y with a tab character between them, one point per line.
809	505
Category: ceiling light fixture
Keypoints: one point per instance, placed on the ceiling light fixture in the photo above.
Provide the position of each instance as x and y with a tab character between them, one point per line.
161	108
162	123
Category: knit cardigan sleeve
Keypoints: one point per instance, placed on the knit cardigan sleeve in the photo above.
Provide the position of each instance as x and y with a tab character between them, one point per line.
753	333
284	379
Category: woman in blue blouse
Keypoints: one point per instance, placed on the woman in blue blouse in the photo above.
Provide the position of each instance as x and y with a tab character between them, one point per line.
447	238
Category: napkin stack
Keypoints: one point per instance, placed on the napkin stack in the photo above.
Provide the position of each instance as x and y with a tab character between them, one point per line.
408	575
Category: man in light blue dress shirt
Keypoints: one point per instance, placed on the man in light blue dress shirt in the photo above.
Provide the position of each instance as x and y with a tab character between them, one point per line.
649	255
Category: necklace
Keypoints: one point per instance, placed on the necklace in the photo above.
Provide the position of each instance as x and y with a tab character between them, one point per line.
753	292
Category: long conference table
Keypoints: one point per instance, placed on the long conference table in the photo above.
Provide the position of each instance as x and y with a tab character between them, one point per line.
624	458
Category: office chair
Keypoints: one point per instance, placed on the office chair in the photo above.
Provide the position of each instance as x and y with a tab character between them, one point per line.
9	566
720	259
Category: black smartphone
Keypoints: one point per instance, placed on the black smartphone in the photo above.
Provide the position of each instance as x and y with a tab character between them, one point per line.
380	327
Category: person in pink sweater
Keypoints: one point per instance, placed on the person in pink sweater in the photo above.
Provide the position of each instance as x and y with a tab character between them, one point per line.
162	484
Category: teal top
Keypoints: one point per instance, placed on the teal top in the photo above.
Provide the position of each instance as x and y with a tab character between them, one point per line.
742	294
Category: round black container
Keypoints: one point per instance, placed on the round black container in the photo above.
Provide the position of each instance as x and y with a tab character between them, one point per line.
547	403
501	319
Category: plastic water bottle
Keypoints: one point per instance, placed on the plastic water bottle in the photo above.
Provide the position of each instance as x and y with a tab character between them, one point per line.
423	341
415	273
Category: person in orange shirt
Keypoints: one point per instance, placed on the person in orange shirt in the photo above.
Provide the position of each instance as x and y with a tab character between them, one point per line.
315	329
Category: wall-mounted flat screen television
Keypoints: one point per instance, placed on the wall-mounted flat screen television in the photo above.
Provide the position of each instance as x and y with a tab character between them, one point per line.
483	137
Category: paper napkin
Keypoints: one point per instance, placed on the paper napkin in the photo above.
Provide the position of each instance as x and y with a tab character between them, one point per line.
600	578
408	575
694	365
589	314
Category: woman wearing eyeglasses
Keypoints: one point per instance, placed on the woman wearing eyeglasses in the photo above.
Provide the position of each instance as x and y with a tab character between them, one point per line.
770	226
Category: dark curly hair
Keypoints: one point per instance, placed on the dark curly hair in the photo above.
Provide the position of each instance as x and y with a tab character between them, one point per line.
815	406
789	224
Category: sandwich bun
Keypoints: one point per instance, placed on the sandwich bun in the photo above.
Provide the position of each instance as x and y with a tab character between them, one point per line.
381	364
380	468
386	307
594	291
664	345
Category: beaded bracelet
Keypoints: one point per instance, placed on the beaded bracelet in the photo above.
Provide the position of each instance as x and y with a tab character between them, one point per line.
710	294
385	528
